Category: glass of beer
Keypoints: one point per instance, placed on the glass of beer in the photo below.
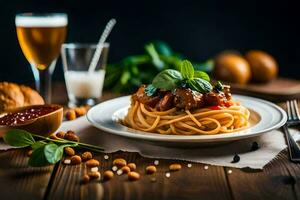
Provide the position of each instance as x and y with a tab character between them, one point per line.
40	37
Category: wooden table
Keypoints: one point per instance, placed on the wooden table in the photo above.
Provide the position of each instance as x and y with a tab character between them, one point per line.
280	179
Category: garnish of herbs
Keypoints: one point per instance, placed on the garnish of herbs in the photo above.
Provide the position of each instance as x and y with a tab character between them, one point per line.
46	151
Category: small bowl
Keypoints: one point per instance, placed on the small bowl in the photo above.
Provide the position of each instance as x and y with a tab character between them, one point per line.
43	125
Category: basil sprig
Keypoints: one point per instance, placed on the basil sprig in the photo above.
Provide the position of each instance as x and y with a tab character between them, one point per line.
168	79
45	151
171	79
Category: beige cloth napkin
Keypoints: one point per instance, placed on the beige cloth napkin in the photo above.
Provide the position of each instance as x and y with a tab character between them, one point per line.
270	145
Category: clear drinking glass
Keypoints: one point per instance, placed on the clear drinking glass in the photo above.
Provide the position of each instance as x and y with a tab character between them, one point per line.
40	37
83	87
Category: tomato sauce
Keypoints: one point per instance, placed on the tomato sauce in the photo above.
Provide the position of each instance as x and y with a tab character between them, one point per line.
214	107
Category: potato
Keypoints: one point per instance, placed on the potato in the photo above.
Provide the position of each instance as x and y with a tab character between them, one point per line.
263	66
231	67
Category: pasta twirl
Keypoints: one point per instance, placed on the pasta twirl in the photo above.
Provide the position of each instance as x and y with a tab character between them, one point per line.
203	121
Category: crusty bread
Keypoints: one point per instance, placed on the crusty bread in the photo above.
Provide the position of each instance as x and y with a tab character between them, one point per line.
14	96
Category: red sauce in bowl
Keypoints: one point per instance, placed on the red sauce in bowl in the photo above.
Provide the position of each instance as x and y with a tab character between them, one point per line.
20	117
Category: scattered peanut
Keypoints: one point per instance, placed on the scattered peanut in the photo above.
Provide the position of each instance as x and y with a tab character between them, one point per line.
71	132
156	162
150	169
153	179
133	176
53	137
69	151
175	167
108	175
120	162
86	156
125	169
29	153
205	167
189	165
70	135
132	166
106	157
80	111
60	134
70	114
94	175
92	163
85	178
75	160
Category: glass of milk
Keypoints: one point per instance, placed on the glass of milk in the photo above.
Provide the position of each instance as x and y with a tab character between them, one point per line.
83	87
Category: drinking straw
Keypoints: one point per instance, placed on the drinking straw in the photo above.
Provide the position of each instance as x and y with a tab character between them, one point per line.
109	26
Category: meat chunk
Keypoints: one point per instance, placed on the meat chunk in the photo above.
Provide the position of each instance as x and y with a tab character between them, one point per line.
166	102
215	99
142	97
188	99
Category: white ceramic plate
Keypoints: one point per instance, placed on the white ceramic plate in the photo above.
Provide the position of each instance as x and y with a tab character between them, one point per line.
265	116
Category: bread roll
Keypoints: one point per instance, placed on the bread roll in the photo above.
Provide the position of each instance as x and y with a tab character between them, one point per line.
13	96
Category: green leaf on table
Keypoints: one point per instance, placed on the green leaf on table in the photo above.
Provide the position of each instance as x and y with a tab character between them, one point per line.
200	85
38	159
150	90
38	144
168	79
187	69
18	138
53	152
201	74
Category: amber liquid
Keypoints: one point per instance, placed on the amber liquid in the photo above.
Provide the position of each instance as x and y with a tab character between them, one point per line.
41	45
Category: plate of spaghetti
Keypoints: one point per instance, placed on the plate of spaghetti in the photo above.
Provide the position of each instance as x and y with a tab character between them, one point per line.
184	106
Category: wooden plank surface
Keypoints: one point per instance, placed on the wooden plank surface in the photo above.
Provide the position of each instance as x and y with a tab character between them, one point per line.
188	183
275	181
18	181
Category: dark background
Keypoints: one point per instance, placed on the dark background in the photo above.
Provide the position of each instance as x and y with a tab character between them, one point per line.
197	29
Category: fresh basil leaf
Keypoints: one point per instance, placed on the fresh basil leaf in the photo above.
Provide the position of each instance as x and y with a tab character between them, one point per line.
168	79
38	159
53	152
219	86
37	145
200	85
18	138
187	69
150	90
201	74
157	62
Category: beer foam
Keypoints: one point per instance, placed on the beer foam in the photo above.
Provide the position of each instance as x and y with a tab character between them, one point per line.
41	21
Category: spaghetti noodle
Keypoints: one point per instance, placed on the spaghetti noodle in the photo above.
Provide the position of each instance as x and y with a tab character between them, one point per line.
202	121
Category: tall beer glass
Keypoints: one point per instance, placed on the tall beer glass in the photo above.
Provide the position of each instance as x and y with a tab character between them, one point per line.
40	37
